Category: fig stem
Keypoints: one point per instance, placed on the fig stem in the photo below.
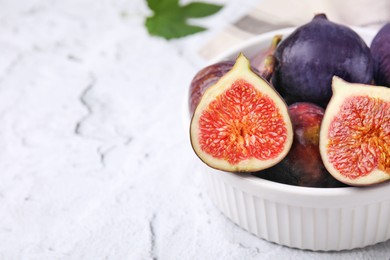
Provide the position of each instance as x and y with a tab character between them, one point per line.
275	41
320	15
268	66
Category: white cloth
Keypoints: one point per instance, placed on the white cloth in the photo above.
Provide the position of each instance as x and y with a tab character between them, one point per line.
275	14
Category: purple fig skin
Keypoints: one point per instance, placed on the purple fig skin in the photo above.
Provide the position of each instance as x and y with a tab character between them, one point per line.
303	164
314	53
380	50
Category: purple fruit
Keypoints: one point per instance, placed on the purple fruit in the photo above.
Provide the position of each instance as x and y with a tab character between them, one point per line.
303	165
315	52
380	50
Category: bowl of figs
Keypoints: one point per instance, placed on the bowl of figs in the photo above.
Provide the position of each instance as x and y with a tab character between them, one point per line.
292	129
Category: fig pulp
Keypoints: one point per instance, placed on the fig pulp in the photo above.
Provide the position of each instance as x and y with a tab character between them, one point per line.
241	124
315	52
380	50
303	164
355	133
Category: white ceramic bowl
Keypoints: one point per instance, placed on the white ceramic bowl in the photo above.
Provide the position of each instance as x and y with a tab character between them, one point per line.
306	218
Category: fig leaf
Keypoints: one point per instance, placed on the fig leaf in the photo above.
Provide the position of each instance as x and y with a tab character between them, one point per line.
199	9
169	18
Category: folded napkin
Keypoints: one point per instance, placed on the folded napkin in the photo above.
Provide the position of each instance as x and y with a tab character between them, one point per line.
270	15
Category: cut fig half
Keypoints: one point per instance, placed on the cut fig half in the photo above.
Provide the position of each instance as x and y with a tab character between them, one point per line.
355	133
241	124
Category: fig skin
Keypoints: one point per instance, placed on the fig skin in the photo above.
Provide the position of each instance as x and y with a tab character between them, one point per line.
380	50
315	52
303	164
363	134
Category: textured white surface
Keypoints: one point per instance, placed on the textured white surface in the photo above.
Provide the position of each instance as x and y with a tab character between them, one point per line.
94	160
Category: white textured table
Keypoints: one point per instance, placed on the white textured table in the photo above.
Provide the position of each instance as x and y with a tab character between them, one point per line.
94	160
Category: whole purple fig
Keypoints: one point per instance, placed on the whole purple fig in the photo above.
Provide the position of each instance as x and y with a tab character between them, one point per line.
303	165
314	53
380	50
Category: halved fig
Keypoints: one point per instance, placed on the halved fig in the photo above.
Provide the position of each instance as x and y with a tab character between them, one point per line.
241	124
355	133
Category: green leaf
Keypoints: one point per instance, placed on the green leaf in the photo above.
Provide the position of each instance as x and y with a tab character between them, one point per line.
169	19
162	5
200	9
170	26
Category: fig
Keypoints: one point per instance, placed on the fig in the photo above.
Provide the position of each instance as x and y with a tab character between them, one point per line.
303	164
380	50
355	133
241	124
309	57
